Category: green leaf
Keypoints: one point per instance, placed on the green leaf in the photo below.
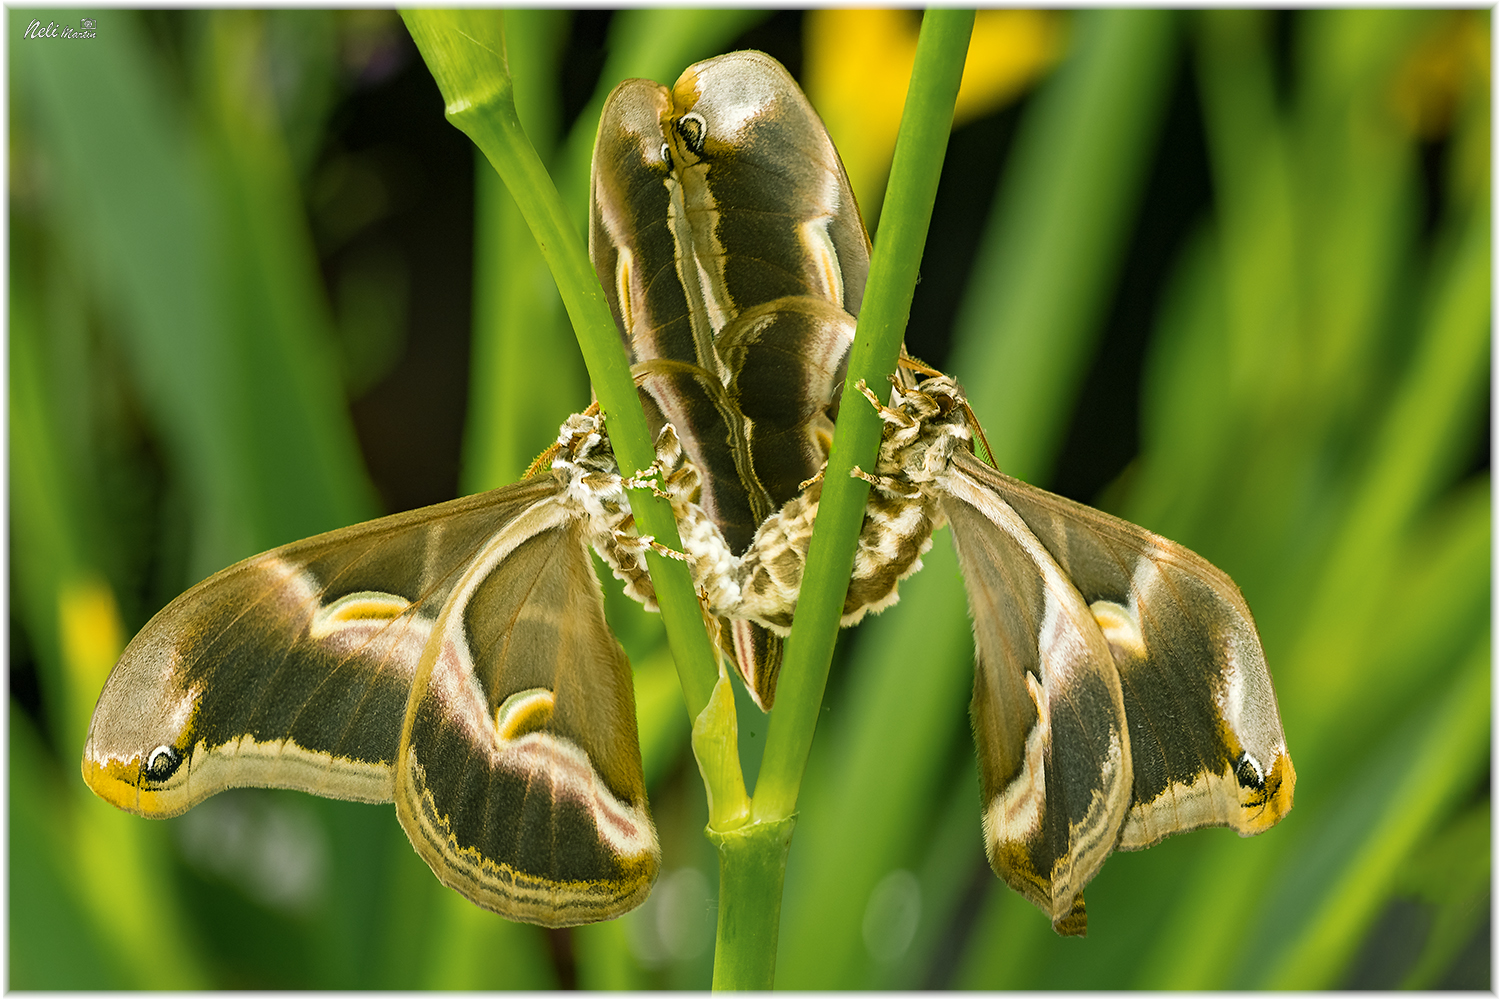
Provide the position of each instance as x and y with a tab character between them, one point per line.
1051	250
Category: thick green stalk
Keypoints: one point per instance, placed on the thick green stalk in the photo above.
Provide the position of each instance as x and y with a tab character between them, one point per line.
752	867
752	859
915	170
465	51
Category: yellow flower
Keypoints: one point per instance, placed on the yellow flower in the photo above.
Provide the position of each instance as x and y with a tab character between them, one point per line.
1450	64
858	63
91	639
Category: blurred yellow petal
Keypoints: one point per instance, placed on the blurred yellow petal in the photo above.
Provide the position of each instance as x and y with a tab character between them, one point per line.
1444	68
858	63
1009	50
92	638
91	633
857	66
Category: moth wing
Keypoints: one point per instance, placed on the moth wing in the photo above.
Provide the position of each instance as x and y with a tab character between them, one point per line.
786	361
1207	746
724	231
766	184
520	779
291	669
637	252
630	240
1049	719
302	668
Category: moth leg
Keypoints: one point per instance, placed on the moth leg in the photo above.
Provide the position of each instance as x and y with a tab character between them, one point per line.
634	545
647	479
663	550
818	478
891	485
667	476
890	416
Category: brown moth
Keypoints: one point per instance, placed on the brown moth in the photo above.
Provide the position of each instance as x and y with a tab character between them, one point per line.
1121	693
1120	690
732	253
454	660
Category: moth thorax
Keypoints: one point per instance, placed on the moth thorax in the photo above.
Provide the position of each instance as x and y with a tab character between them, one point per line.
585	463
926	456
580	434
940	425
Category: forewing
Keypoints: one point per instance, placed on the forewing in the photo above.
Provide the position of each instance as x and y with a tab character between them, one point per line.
520	777
1206	741
644	257
768	202
291	669
1049	720
631	241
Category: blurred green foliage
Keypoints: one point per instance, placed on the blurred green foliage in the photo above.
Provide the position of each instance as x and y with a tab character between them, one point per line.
1313	408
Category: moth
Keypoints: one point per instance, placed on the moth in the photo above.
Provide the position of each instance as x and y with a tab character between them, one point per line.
1121	693
733	256
455	660
1120	689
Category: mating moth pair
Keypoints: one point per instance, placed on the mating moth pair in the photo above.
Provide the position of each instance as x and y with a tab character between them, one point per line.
456	659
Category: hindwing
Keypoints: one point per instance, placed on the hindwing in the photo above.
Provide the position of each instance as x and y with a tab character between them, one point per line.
520	778
454	658
1120	690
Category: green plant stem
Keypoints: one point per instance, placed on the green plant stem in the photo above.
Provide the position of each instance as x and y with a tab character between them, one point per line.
464	50
752	868
915	170
716	746
752	859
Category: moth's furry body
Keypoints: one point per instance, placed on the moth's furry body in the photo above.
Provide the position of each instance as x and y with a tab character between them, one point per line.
762	584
